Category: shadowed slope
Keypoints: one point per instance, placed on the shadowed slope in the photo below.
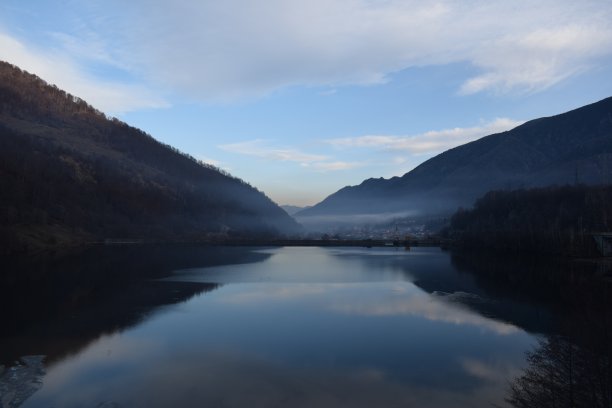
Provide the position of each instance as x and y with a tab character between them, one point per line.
68	174
562	149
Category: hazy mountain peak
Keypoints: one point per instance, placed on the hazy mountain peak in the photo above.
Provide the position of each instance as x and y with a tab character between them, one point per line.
575	146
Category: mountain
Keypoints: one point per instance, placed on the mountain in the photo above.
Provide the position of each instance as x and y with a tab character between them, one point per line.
293	209
69	174
574	147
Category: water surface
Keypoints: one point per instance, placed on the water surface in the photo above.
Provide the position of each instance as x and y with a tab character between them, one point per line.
290	327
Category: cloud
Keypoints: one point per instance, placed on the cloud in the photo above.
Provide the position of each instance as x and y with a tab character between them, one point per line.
214	162
208	160
224	51
62	70
434	141
328	92
336	165
538	59
260	148
244	48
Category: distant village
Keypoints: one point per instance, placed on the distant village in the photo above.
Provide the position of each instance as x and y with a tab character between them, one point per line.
400	229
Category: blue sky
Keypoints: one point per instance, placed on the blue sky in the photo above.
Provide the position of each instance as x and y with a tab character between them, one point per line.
301	98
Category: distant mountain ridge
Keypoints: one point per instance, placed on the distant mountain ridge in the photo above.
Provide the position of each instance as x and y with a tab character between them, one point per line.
70	174
573	147
293	209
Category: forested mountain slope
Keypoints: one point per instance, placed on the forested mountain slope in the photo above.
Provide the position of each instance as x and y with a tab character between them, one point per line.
70	174
564	149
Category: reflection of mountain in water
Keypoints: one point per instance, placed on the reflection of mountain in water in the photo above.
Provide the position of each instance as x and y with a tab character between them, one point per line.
535	293
520	289
509	290
572	368
562	299
57	306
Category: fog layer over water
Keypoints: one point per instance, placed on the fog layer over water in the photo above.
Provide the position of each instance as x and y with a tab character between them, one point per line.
325	327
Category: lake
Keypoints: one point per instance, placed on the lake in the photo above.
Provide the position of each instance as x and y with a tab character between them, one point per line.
159	326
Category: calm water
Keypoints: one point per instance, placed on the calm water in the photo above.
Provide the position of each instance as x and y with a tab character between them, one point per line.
286	327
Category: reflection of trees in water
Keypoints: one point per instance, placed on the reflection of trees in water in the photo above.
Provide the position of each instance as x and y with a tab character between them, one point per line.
573	369
572	365
56	306
562	374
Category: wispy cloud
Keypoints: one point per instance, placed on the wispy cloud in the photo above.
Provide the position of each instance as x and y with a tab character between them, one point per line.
64	71
220	51
538	59
242	48
208	160
259	148
434	141
214	162
335	165
262	149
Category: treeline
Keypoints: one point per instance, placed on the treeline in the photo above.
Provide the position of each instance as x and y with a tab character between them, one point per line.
70	174
555	220
30	94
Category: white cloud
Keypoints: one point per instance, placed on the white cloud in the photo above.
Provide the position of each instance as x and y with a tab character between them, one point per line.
260	148
61	70
404	149
242	48
538	59
328	92
214	162
431	142
223	51
210	161
335	165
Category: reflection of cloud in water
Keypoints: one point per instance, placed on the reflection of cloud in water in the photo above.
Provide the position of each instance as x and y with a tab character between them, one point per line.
275	293
315	334
372	299
493	372
418	304
317	265
229	379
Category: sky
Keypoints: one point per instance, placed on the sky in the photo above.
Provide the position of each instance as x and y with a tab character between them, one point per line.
301	98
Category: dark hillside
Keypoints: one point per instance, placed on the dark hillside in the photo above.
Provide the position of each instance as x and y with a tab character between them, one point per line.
572	147
70	174
556	220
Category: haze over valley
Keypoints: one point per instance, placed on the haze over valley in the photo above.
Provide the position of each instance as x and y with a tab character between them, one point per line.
289	203
301	100
70	175
570	148
92	178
